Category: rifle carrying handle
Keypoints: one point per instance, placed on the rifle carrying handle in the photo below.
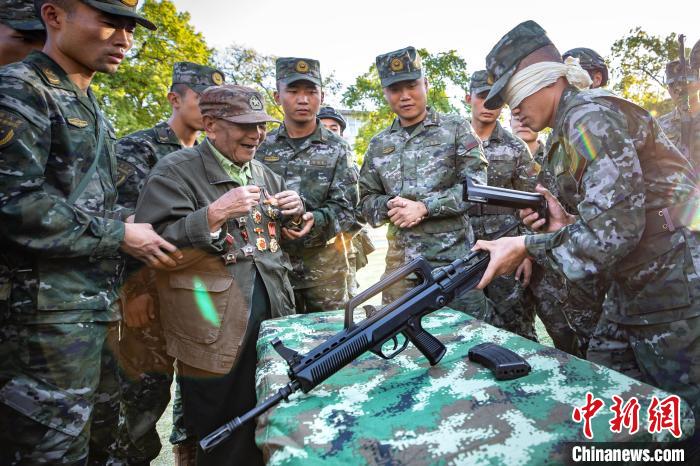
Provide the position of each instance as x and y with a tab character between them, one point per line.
431	347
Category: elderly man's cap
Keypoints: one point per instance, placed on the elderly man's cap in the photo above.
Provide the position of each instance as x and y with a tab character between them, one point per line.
400	65
292	69
195	76
20	15
479	82
121	8
333	114
237	104
674	73
504	57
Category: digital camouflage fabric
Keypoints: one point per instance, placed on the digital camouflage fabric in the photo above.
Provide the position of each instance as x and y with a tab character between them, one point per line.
321	169
510	166
20	15
590	60
403	411
197	77
400	65
429	165
291	69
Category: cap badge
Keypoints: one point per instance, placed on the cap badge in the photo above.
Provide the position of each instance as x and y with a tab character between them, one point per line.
217	78
302	66
255	103
489	79
396	64
130	3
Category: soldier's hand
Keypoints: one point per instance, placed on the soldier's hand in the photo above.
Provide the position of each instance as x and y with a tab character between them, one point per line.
506	254
558	217
138	311
405	213
141	242
290	203
308	219
235	203
524	272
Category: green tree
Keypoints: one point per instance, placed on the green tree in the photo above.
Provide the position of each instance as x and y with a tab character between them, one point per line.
135	97
638	68
247	67
445	71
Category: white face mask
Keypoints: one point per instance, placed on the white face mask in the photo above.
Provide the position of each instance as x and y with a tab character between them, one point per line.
540	75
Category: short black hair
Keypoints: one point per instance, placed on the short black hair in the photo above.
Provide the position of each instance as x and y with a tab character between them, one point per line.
67	5
179	89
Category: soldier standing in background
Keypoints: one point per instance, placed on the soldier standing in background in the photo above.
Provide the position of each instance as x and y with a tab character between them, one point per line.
510	166
60	234
147	370
412	178
361	244
21	30
593	63
319	165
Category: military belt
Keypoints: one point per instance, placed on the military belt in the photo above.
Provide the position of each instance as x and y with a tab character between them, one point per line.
478	210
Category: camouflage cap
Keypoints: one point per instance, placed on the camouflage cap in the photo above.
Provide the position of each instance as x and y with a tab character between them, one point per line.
589	60
291	69
196	77
20	15
400	65
121	8
504	57
237	104
674	74
478	83
333	114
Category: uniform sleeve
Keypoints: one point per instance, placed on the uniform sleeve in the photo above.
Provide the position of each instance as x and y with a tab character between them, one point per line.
133	165
373	198
33	217
471	163
337	213
611	188
169	205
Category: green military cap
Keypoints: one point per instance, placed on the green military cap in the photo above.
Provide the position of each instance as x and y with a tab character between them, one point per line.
237	104
333	114
504	57
589	60
20	15
479	82
196	77
400	65
121	8
291	69
674	74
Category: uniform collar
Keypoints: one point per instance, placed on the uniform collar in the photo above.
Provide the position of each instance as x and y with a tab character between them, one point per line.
166	135
432	118
316	136
50	71
497	135
565	102
235	172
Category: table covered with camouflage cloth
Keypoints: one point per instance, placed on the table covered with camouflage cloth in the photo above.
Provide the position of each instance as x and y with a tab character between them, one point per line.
402	411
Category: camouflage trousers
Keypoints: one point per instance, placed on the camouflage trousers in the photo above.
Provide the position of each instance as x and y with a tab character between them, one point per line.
512	307
570	312
146	375
59	399
330	295
664	355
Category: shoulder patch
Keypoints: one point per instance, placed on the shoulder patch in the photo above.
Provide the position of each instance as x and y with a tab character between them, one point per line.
11	126
388	150
124	171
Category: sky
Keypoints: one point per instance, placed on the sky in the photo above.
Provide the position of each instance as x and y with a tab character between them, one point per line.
346	36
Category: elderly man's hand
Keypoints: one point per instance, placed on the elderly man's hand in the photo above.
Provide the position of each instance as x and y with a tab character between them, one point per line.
235	203
405	213
290	203
558	217
308	223
141	242
506	255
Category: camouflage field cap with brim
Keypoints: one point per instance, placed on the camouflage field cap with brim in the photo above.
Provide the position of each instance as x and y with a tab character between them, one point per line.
292	69
589	59
20	15
674	73
121	8
237	104
333	114
197	77
400	65
504	57
479	82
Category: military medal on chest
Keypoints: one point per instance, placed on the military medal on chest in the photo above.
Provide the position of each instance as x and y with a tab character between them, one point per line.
272	230
257	216
271	205
260	241
230	256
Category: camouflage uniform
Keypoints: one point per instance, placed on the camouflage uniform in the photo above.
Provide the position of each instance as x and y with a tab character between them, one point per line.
147	370
321	169
59	270
628	181
510	166
428	165
20	15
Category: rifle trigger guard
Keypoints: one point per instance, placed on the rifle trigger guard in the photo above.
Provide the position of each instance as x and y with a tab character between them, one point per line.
395	351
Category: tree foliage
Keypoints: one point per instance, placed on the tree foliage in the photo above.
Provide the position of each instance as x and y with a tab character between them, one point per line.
135	97
445	71
247	67
638	68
